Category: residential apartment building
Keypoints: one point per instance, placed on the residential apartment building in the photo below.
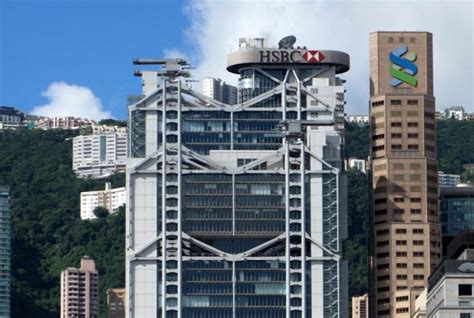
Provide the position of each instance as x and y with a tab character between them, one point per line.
107	129
239	210
455	112
111	199
358	119
10	118
80	290
360	306
5	251
404	198
58	122
98	156
116	303
217	89
359	164
448	180
450	290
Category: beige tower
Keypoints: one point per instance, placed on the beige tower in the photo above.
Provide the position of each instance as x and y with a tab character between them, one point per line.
405	231
80	290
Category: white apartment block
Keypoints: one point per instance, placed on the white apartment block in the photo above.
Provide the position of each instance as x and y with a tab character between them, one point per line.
456	112
111	199
217	89
448	180
359	164
105	129
61	122
99	156
358	119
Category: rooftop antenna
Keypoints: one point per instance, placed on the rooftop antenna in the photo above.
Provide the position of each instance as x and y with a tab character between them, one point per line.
171	68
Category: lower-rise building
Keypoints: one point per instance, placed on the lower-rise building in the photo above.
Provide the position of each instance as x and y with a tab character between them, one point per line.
420	305
360	306
5	238
10	118
99	156
80	290
116	303
111	199
450	289
448	180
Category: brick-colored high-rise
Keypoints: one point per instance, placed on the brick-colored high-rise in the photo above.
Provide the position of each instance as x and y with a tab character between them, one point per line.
405	230
80	290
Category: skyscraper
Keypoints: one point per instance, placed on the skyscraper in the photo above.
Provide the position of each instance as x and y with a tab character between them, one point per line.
80	290
219	90
406	234
239	210
5	252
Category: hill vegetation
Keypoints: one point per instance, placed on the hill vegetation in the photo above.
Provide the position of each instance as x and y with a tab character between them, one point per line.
48	235
47	232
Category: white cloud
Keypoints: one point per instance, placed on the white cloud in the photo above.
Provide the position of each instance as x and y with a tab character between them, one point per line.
71	100
216	26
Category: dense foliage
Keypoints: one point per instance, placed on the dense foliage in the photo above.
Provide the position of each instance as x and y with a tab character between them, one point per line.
455	144
113	122
47	233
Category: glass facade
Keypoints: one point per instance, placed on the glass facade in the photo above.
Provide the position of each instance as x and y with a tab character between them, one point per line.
240	212
5	239
456	212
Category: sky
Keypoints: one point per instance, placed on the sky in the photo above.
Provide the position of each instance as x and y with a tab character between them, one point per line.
74	57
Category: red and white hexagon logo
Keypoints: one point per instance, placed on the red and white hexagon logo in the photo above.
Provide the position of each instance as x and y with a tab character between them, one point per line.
313	56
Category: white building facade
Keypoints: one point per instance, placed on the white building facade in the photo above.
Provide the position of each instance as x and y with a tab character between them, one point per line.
111	199
450	292
448	180
358	119
240	210
98	156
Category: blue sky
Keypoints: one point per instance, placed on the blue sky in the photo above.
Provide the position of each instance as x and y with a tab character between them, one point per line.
76	56
84	43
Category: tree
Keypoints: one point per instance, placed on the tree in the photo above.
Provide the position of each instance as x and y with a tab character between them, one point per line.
101	212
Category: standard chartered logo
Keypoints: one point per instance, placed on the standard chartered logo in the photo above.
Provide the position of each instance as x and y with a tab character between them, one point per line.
402	70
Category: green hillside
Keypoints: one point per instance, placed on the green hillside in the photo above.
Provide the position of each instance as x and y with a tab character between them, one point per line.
47	233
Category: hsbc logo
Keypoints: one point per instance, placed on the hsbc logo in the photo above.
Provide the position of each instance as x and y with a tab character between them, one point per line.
313	56
295	56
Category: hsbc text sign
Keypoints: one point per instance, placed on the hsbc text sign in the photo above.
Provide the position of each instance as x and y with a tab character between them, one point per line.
295	56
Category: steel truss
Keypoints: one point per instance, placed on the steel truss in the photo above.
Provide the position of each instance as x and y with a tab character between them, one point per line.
167	165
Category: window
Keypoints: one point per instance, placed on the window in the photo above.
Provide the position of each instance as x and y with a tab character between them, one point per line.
398	166
394	113
412	147
464	315
378	103
401	254
418	277
402	40
401	231
412	135
396	124
417	231
399	200
402	277
402	265
417	242
383	255
412	113
465	290
398	211
412	102
401	242
412	124
412	40
390	40
396	135
378	137
415	200
402	298
383	266
383	243
383	232
395	102
415	177
402	310
396	147
418	254
418	265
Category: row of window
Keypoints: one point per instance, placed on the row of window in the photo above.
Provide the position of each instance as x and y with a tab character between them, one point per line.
401	254
400	265
400	231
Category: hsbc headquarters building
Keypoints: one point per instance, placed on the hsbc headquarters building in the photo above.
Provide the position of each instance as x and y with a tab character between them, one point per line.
239	210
